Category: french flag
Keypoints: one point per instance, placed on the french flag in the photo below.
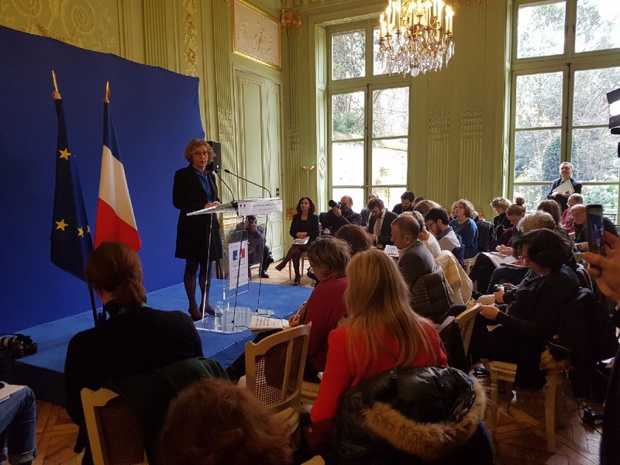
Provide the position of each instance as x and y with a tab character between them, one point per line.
115	218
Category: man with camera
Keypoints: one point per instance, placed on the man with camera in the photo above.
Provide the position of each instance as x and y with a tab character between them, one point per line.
258	250
341	214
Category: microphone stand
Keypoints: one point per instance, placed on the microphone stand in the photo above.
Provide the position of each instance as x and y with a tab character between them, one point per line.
234	202
247	180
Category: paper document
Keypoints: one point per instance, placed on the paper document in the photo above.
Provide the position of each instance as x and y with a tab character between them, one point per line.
499	259
391	250
566	186
303	241
263	323
7	389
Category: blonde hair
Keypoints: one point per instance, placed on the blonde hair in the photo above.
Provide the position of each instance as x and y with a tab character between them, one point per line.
378	297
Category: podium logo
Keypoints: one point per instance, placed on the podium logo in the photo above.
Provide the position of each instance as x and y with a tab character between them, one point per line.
236	254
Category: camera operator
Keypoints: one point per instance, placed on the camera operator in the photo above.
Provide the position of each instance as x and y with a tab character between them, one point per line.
340	214
258	250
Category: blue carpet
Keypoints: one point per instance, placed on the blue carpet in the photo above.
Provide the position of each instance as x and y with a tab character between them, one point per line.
44	370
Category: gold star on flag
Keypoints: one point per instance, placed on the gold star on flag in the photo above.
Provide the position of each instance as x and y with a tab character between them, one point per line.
65	154
61	224
80	232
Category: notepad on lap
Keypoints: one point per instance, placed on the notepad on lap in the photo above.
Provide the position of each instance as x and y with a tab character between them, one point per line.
263	323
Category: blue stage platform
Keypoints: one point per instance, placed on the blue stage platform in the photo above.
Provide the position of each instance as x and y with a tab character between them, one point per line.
44	370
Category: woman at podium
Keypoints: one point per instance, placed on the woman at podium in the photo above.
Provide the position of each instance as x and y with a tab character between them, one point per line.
198	237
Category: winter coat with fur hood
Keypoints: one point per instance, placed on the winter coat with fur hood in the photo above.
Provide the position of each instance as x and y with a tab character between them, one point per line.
419	415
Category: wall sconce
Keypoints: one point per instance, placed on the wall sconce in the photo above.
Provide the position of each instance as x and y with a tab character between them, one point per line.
290	20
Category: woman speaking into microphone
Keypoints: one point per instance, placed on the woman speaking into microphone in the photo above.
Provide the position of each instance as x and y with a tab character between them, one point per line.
198	237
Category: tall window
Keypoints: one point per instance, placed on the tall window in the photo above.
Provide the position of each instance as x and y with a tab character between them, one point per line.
369	120
566	57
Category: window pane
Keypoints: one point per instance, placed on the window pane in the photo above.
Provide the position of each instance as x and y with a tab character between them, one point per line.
348	55
389	162
598	25
533	195
348	163
377	65
357	194
607	196
537	155
540	30
539	100
594	155
348	116
590	102
389	195
390	112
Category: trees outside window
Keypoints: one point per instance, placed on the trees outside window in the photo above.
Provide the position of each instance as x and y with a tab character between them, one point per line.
565	59
369	120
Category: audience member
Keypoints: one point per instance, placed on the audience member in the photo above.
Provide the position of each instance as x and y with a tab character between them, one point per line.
501	222
324	309
18	424
534	307
438	224
365	213
503	244
304	227
338	217
135	339
464	226
580	219
553	208
566	176
406	203
213	422
415	259
606	271
567	220
379	222
424	206
384	333
430	241
258	250
356	237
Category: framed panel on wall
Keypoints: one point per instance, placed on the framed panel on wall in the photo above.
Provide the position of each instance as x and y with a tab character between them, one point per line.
256	35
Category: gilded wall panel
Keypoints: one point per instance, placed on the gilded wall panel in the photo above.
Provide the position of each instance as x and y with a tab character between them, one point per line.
89	24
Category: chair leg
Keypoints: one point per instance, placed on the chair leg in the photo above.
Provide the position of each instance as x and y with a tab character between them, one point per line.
494	398
550	410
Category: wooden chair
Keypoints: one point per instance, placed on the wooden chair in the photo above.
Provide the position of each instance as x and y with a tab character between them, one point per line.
114	432
274	372
503	371
466	321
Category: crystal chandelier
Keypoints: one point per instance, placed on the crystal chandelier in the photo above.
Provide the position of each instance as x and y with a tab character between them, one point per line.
416	36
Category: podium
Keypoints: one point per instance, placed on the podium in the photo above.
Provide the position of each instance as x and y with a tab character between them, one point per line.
234	265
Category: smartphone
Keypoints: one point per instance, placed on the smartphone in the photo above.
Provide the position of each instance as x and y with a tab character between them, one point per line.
595	231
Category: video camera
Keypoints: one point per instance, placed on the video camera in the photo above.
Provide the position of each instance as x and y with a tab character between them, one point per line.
18	344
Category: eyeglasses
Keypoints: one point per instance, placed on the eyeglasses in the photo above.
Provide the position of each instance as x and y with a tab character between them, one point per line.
430	223
198	153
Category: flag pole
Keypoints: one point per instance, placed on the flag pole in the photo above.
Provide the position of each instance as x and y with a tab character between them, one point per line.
57	96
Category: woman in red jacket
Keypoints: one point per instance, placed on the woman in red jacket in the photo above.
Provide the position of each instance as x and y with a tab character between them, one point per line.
382	332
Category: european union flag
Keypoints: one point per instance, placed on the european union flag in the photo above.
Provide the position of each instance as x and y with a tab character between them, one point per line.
71	240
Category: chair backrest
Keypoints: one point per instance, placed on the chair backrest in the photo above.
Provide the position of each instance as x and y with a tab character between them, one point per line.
274	371
114	431
487	235
466	322
430	297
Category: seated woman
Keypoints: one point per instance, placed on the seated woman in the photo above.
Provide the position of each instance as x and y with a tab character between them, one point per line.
213	422
324	308
305	224
464	226
534	307
501	222
135	339
18	424
555	210
382	333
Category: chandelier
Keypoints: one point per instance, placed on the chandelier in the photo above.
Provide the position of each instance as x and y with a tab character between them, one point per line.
416	36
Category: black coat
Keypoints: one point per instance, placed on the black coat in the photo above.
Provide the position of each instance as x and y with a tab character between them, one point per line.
385	237
194	232
561	198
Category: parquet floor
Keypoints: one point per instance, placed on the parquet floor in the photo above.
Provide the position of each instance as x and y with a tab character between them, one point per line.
520	438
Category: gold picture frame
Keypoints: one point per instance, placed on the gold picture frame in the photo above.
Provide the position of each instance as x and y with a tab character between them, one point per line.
257	35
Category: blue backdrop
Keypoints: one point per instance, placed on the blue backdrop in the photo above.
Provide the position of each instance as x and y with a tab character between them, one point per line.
155	113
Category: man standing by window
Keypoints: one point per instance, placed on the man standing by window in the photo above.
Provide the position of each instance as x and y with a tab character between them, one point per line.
564	186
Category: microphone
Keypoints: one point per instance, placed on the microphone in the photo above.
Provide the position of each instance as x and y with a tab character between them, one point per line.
247	180
234	202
